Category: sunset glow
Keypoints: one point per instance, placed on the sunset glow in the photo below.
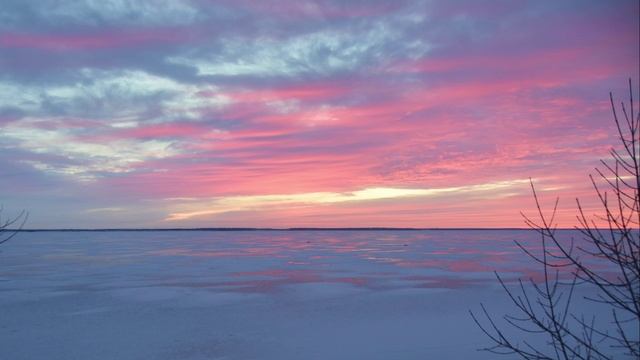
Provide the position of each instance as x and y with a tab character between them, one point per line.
318	113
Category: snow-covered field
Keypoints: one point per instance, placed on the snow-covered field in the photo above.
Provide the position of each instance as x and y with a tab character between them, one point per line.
252	294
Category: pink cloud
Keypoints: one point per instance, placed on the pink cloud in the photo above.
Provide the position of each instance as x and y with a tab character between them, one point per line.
495	103
92	41
307	91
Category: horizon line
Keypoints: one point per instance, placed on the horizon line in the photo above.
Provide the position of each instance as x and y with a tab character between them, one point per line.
277	229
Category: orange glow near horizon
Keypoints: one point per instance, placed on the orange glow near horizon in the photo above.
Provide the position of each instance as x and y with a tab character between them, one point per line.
393	114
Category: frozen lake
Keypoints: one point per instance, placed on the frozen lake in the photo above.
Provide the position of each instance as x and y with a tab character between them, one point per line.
253	294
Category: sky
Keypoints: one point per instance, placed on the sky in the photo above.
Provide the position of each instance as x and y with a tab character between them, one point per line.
310	113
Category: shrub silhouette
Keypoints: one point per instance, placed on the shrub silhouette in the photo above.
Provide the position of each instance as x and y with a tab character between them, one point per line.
544	307
10	226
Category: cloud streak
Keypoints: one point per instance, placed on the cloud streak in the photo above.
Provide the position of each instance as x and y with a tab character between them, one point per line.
264	202
317	112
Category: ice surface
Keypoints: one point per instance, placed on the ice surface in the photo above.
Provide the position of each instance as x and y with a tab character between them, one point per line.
252	294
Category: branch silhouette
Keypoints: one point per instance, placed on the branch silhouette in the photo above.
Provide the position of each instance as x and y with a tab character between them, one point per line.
10	226
544	307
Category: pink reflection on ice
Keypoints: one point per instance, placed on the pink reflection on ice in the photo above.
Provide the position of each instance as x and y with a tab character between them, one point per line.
273	280
363	259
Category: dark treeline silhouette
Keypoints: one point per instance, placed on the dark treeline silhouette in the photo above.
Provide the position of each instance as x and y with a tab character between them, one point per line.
268	229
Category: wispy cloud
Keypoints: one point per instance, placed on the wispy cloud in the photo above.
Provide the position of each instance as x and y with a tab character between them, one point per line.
120	104
264	202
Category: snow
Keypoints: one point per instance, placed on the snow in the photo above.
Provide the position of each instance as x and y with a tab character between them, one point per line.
252	294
